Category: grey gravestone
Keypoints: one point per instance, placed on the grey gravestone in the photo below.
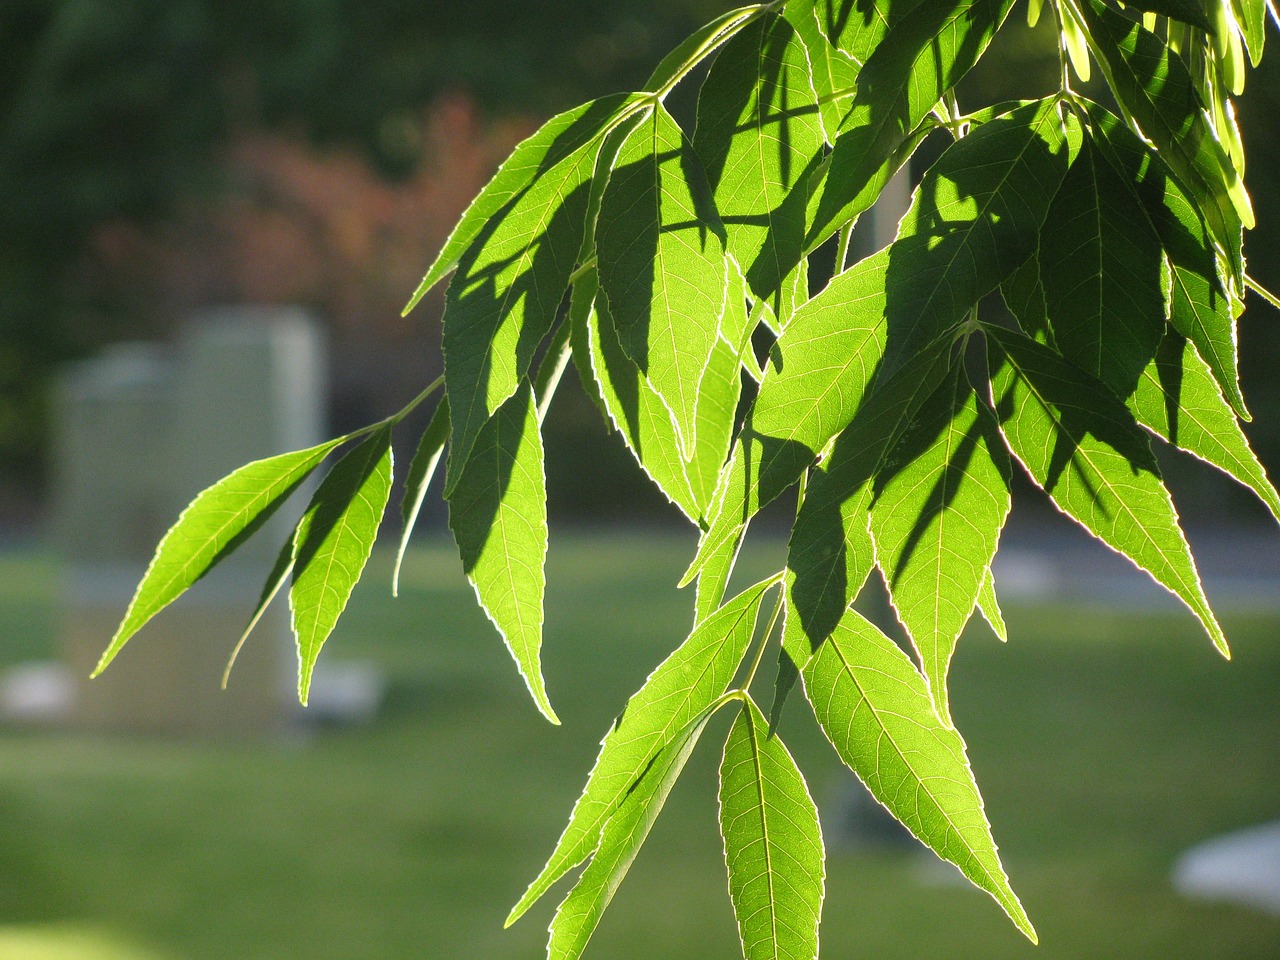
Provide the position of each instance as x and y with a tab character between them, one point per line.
142	431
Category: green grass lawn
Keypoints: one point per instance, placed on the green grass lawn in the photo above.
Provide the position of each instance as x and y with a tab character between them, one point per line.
1105	743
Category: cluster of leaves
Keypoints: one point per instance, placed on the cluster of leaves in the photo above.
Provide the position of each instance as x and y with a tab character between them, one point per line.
899	396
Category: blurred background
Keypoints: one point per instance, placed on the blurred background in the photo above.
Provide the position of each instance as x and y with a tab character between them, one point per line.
165	161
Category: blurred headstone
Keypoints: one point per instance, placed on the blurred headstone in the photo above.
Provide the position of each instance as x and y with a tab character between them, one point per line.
142	430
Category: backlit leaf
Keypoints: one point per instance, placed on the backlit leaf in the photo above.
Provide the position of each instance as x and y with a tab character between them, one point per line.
422	468
332	543
677	691
936	521
1082	446
498	515
772	843
662	266
874	708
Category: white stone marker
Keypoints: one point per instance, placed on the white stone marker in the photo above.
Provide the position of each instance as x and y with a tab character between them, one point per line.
142	432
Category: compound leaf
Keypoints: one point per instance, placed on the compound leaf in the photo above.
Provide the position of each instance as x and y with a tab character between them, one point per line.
214	524
1082	446
677	691
332	543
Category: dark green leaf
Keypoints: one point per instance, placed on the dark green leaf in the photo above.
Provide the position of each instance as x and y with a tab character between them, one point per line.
1188	11
332	543
874	708
677	692
213	525
772	843
498	514
1155	87
662	265
911	54
759	135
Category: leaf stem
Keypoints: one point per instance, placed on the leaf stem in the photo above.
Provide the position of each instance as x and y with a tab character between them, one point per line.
1262	291
708	46
768	632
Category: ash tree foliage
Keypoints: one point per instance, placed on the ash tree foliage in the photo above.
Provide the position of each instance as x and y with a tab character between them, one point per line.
1064	286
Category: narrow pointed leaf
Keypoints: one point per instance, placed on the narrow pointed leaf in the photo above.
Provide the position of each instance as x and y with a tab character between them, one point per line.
1103	275
623	835
1252	17
817	372
498	515
759	136
558	138
332	543
874	708
1083	447
677	691
504	297
772	843
1178	399
644	421
936	522
990	607
422	468
708	35
1199	306
281	571
662	266
214	524
831	551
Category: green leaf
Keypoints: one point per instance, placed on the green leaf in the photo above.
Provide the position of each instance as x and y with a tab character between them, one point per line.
812	386
874	708
504	298
644	421
623	835
662	265
676	693
1178	399
498	514
281	570
990	607
421	469
214	524
1155	87
936	521
759	135
701	42
831	552
832	72
1103	274
772	843
911	54
1200	307
1252	17
560	137
1082	446
332	543
973	220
